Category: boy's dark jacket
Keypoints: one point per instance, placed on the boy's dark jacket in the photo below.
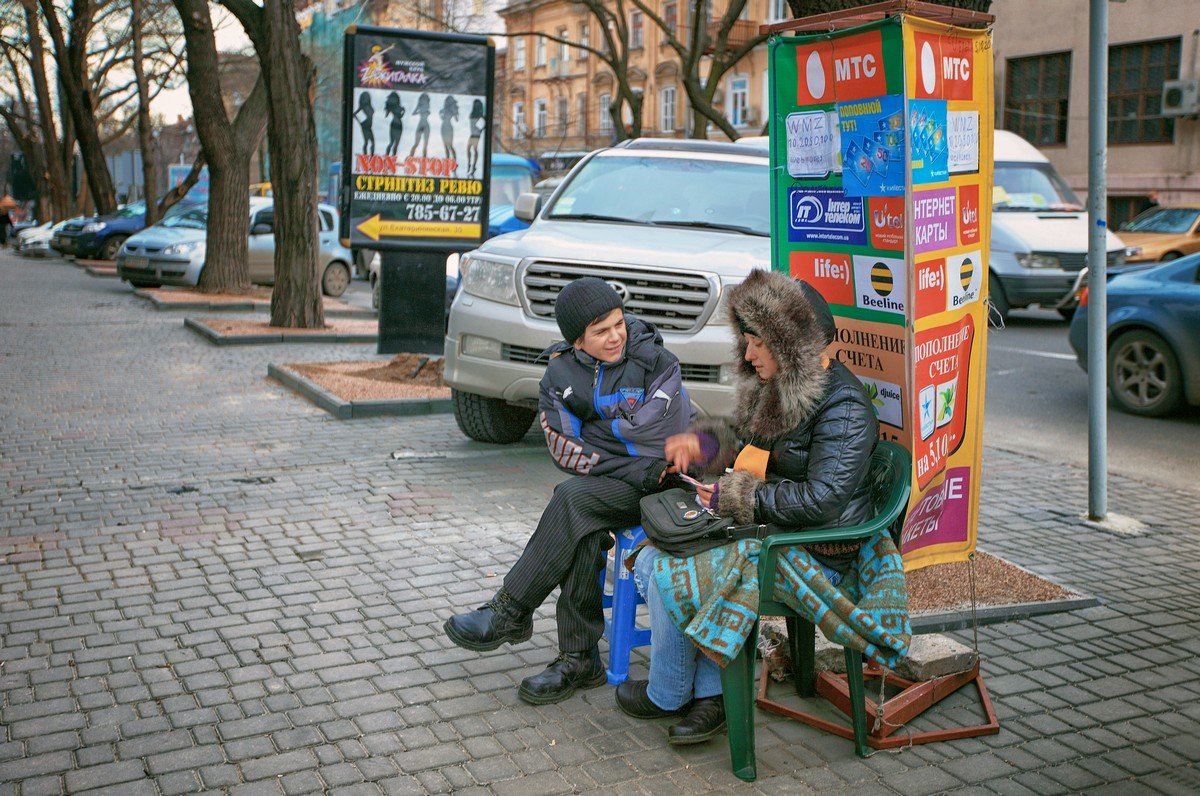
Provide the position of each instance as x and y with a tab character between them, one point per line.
612	419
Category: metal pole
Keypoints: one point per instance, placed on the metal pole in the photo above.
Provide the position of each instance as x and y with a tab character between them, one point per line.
1097	264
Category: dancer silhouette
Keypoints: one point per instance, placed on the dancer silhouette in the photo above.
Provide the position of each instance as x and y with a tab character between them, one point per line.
366	123
393	108
449	116
477	122
422	110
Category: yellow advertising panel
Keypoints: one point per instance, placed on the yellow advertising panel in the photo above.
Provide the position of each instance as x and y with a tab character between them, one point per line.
881	178
948	97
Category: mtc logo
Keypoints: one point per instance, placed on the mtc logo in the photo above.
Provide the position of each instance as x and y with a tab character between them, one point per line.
945	67
855	67
858	71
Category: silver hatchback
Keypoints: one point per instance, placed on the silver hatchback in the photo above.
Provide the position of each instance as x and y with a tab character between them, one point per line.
172	252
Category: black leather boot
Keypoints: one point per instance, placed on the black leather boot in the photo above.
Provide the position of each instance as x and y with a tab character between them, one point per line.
703	721
634	699
501	620
569	672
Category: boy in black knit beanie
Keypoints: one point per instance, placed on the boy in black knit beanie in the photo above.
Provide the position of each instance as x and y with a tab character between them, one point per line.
610	398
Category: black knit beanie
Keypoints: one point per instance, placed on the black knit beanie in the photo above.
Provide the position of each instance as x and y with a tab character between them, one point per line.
581	302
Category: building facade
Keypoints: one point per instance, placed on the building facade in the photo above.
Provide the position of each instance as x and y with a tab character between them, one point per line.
1041	52
556	96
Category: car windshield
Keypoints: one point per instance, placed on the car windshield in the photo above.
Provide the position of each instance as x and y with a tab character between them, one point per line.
1031	186
508	184
1177	220
669	191
132	210
195	217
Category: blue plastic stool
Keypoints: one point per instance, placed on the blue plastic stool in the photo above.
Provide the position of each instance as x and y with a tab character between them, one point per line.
620	625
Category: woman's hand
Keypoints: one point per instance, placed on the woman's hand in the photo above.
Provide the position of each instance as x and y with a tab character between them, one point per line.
705	493
681	450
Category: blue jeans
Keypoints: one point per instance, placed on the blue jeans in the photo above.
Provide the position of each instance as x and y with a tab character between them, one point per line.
679	671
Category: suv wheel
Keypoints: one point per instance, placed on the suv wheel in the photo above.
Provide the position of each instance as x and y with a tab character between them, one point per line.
997	297
1143	374
111	246
491	419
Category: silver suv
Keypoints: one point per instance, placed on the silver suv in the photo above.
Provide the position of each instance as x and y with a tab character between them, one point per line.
670	224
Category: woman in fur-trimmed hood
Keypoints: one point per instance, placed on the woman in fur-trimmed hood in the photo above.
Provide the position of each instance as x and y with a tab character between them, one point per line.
799	445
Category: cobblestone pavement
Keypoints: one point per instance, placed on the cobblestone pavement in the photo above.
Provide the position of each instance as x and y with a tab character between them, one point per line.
208	584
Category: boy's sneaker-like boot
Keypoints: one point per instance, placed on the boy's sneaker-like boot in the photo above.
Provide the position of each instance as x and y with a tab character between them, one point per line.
570	672
501	620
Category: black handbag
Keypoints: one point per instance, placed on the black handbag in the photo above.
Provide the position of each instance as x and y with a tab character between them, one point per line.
677	524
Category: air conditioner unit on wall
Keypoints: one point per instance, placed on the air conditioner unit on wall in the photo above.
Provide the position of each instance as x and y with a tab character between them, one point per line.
1181	98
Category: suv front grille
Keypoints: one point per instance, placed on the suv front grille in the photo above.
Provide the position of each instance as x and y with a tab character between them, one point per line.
707	374
672	301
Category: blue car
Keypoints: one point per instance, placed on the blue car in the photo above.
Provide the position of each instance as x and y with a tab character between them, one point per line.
511	176
100	237
1153	337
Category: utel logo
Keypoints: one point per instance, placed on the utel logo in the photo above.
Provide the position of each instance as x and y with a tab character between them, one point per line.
884	218
970	215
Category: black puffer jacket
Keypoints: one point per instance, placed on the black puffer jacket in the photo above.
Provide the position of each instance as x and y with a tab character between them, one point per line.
815	420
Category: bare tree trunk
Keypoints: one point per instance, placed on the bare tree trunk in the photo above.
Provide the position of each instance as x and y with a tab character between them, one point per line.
227	148
54	173
71	56
145	127
292	142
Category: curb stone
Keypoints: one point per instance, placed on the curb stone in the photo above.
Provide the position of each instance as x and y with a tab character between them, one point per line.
351	410
215	338
249	305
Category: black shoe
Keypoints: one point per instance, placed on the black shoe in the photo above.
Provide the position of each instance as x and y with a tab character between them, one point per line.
569	672
633	699
488	626
703	721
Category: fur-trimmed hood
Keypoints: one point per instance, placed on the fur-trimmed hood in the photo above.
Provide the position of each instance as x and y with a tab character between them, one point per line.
795	324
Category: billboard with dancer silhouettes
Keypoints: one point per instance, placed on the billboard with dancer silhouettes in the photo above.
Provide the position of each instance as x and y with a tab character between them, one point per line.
415	147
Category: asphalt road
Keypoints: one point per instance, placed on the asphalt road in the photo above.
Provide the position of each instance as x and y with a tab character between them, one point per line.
1037	403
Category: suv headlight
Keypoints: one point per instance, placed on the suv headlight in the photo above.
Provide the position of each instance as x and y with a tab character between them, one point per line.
1036	260
720	316
94	226
489	279
183	248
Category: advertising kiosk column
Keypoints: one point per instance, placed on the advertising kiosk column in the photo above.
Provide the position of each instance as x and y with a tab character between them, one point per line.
416	141
881	141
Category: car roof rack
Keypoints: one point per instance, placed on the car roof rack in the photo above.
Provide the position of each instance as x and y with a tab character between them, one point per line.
693	145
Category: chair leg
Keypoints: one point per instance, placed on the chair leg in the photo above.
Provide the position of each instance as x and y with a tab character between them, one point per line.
858	696
737	685
802	640
623	625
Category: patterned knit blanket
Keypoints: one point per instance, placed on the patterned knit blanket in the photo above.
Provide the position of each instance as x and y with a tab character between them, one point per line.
713	598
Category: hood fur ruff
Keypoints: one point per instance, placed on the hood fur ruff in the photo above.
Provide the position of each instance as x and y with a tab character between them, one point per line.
776	307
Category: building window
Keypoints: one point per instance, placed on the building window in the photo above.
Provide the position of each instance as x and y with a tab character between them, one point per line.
603	102
583	114
584	40
670	15
1136	73
519	53
778	10
518	120
739	99
564	115
539	118
564	49
637	29
1035	97
539	49
666	109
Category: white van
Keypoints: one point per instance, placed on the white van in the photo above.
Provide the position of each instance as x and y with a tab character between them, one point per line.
1039	231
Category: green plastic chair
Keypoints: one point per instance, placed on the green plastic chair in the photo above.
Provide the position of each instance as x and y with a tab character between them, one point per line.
890	475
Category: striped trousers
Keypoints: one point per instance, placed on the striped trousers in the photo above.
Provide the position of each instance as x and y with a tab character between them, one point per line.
567	550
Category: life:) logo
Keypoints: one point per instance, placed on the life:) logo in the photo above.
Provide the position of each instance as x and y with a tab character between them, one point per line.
829	273
945	67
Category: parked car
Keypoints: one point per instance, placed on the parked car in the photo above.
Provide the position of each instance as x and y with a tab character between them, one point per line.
101	236
1162	233
1153	337
669	224
35	241
172	251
